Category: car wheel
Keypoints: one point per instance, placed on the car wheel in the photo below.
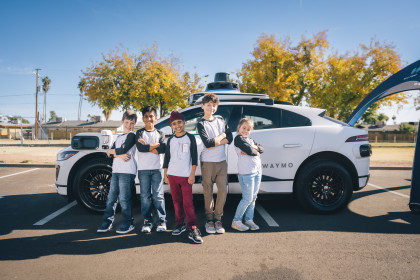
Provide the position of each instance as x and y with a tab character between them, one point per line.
91	184
324	187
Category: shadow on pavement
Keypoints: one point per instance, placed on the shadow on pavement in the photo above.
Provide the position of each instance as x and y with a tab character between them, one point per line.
81	238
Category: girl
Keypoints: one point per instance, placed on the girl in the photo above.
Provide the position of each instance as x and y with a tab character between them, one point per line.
249	173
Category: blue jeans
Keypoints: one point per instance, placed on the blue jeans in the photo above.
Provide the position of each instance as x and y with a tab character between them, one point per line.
151	186
250	185
120	188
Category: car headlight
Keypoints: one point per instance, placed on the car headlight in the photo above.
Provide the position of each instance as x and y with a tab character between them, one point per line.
66	155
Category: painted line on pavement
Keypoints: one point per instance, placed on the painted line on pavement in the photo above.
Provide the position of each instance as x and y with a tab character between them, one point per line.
381	188
19	173
268	219
55	214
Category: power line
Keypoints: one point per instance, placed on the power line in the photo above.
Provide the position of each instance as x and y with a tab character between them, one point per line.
13	95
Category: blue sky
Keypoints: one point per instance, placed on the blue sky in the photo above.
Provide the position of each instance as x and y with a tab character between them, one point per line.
64	37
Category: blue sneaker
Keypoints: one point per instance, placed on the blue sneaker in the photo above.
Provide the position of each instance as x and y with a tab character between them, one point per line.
105	227
126	228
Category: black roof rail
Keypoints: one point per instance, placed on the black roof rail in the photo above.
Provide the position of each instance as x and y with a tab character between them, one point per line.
282	102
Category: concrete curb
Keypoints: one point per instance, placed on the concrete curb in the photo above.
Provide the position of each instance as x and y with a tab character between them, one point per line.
391	168
52	166
34	145
27	165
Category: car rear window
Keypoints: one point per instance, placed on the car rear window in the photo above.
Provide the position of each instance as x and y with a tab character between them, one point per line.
335	121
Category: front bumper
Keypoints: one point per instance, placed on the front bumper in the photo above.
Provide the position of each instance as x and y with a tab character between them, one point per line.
61	190
363	180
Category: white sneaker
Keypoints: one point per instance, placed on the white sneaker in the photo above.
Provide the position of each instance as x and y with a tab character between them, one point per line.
210	227
147	227
219	227
161	227
238	225
252	225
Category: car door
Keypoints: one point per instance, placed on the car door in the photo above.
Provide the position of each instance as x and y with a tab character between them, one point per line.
287	139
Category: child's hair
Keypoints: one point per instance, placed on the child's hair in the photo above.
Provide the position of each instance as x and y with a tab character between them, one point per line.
148	109
210	97
245	120
130	115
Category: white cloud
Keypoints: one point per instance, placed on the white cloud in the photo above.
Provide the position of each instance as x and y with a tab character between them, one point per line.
15	70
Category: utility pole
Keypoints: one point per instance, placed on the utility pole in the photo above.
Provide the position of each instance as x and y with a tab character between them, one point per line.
36	105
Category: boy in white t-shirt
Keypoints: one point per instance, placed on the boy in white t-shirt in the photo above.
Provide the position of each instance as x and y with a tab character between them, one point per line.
150	150
179	166
123	174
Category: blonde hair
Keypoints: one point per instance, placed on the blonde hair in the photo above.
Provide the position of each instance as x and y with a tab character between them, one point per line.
245	120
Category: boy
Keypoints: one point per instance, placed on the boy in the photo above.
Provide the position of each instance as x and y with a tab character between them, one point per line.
150	146
180	165
215	134
123	174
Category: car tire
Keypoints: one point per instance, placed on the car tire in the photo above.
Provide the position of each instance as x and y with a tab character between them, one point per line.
91	184
323	186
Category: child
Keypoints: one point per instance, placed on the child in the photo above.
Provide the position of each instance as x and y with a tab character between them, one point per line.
249	174
150	146
123	174
215	134
179	165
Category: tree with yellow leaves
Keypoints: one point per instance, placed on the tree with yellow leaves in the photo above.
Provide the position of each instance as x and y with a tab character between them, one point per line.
304	73
129	81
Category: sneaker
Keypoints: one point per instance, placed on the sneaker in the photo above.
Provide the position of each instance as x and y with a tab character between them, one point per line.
147	226
252	225
179	229
125	229
210	227
238	225
105	227
195	235
161	227
219	227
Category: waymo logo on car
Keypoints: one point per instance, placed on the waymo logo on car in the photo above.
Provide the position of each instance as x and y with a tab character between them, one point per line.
277	165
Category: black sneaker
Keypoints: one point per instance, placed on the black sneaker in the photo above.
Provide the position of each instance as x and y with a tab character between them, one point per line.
179	229
195	235
105	227
126	228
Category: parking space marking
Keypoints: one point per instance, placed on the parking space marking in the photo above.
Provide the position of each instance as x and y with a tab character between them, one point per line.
55	214
268	219
381	188
19	173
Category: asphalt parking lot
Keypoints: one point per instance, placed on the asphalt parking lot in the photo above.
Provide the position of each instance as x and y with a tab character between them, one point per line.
376	237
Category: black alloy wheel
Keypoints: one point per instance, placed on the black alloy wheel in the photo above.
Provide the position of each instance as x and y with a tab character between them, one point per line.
324	186
92	183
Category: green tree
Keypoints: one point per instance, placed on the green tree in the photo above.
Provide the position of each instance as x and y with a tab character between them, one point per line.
53	116
45	87
15	119
82	89
383	117
406	128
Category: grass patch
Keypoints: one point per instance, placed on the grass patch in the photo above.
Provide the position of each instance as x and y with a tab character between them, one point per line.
26	161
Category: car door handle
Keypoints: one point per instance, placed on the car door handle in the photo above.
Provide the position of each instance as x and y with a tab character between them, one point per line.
292	145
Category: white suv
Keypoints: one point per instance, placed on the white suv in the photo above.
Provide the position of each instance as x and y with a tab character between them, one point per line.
318	159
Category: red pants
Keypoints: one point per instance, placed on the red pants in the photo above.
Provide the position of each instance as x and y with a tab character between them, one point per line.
182	197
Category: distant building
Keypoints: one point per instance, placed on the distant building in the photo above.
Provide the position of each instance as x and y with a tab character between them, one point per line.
64	129
390	133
